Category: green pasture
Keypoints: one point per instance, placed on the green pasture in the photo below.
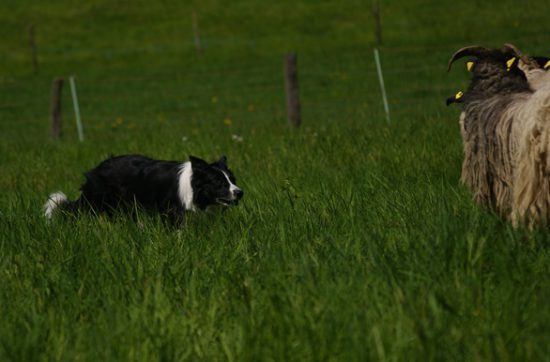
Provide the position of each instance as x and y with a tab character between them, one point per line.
354	241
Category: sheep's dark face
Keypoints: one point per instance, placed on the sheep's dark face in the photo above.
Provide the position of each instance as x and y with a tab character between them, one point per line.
494	71
542	62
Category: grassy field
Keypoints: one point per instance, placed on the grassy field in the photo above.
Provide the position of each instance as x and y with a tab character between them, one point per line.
354	241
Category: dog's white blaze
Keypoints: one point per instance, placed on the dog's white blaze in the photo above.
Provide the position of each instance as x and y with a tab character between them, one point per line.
55	199
185	191
232	186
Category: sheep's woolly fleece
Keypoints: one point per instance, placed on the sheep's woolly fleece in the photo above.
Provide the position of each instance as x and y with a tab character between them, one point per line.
506	136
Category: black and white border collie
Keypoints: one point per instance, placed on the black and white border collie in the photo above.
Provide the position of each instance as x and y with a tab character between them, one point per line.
166	187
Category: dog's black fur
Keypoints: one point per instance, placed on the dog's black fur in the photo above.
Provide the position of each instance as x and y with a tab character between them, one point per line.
121	183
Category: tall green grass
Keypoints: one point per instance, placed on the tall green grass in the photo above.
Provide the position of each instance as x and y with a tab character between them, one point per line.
354	240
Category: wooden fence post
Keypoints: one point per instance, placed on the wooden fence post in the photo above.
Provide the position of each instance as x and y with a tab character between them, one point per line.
32	44
55	113
292	90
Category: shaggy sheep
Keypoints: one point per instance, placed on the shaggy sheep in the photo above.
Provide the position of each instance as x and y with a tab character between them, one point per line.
505	127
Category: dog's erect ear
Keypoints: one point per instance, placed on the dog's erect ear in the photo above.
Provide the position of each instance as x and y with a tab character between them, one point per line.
197	162
222	161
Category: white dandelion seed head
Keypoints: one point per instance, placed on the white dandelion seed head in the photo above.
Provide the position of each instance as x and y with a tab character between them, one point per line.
237	138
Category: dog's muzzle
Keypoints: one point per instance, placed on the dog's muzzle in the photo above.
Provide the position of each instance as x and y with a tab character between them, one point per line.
233	199
238	193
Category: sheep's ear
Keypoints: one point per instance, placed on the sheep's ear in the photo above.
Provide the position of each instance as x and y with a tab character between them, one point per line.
457	98
197	162
543	62
510	63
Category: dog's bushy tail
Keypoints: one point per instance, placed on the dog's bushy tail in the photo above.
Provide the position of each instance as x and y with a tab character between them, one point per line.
58	201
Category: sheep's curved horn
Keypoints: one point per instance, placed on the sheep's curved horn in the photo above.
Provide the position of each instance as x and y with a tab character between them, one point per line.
510	48
473	50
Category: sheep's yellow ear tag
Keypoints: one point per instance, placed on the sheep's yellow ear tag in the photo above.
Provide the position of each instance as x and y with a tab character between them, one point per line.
455	98
547	65
509	63
470	65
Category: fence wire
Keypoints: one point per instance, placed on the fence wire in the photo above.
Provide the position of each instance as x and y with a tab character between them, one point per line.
335	83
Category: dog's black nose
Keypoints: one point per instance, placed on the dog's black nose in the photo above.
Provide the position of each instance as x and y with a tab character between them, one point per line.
238	194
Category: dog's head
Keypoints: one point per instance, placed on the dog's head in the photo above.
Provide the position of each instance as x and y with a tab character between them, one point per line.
213	183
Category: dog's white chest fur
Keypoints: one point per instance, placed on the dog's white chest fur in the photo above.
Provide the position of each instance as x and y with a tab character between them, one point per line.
185	190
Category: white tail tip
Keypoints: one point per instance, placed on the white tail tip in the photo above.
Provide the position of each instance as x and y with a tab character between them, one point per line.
55	199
